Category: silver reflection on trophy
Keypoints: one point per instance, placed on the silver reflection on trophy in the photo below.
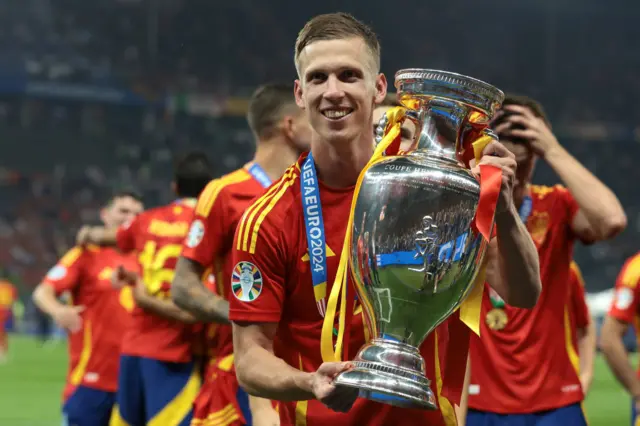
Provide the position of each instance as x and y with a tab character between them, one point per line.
415	253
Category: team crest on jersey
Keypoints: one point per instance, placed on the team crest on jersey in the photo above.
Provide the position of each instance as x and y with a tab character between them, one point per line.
624	298
58	272
246	281
196	234
538	225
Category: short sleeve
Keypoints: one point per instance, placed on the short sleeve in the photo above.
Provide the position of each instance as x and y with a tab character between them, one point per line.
65	275
578	301
207	229
625	300
126	235
569	204
257	280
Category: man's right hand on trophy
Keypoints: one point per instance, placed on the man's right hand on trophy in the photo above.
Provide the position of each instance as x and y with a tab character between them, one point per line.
337	398
498	155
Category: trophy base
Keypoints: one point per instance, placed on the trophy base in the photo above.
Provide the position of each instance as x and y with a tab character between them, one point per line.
391	373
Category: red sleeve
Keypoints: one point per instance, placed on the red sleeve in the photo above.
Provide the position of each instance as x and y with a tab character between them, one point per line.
207	230
577	298
126	235
569	204
65	275
257	280
626	296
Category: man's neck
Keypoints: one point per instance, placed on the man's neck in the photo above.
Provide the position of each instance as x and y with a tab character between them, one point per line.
339	165
274	156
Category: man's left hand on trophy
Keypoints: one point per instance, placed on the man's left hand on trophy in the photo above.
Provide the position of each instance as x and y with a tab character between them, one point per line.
498	155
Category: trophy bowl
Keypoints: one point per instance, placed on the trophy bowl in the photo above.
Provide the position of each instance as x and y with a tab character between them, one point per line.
415	251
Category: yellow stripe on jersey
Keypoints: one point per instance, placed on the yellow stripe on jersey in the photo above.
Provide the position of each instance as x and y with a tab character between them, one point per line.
631	274
223	417
572	353
576	269
301	406
179	407
247	218
70	257
213	188
448	413
85	356
256	228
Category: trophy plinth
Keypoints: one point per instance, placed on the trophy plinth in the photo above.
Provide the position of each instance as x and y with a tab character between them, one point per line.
415	251
392	373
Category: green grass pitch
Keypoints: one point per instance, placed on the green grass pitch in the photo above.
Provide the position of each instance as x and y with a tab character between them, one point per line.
31	384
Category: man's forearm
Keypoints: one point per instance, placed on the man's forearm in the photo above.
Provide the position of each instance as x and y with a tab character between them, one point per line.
599	204
102	236
518	260
616	356
188	293
587	350
461	410
44	297
164	308
264	375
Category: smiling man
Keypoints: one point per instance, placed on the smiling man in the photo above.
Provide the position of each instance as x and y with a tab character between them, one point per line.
278	305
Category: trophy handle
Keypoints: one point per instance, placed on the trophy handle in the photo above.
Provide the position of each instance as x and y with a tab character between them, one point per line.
384	125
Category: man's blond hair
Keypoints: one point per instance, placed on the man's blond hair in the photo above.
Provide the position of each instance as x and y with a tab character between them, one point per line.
336	26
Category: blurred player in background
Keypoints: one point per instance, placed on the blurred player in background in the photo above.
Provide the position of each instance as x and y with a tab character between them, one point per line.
8	296
96	319
159	377
523	370
278	304
281	133
624	312
583	330
407	132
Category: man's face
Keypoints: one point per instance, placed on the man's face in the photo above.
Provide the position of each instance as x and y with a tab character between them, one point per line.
338	88
407	132
121	210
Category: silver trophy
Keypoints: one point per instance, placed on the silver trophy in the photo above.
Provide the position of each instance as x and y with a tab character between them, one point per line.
415	253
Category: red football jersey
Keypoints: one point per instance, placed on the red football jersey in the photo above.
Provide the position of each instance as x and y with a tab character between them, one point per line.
94	351
156	237
508	373
8	296
216	216
271	243
578	311
626	301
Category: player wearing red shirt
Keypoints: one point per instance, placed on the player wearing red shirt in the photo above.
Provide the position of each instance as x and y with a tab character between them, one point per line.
521	366
281	133
159	378
96	319
277	311
624	312
8	296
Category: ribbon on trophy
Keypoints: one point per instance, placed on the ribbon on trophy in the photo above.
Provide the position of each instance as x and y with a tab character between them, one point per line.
490	182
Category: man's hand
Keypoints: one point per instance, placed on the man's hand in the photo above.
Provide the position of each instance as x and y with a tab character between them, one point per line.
121	278
585	382
68	317
83	235
498	155
337	398
536	132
